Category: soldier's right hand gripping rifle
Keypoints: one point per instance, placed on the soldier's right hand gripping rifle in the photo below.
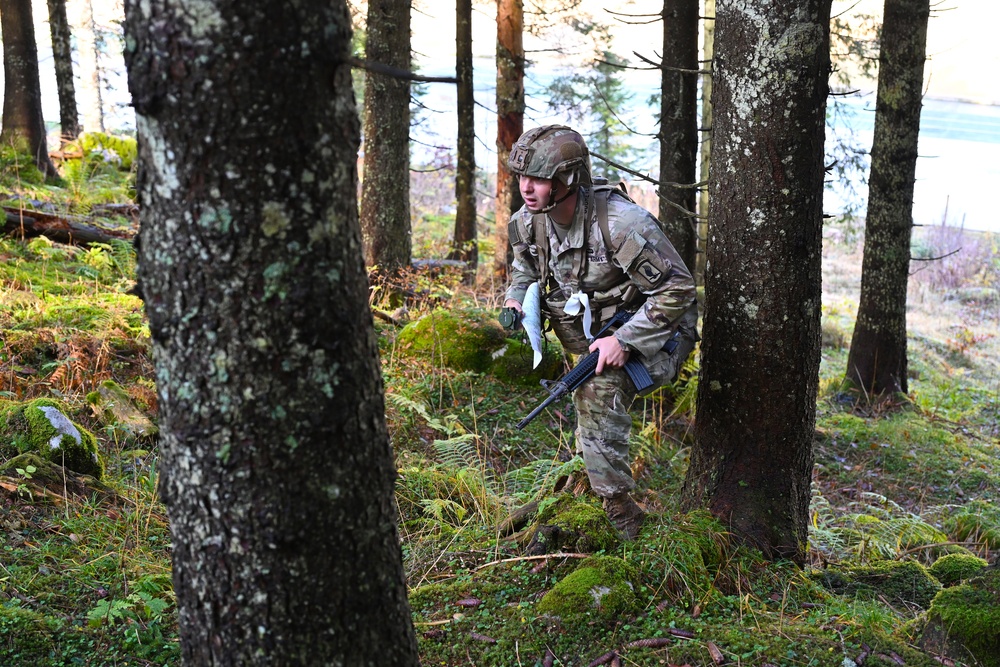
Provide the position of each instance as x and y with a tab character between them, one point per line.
585	370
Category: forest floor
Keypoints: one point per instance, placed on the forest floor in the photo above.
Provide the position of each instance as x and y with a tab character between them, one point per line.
84	576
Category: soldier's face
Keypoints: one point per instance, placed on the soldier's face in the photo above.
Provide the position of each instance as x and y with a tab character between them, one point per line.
536	192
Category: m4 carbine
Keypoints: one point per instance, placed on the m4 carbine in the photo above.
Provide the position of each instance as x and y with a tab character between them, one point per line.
584	370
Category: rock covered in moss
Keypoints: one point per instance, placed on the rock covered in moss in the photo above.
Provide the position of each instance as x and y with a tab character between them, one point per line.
601	585
41	426
953	569
112	403
964	621
904	583
568	523
472	340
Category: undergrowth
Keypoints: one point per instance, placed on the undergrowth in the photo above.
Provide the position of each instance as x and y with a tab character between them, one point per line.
85	580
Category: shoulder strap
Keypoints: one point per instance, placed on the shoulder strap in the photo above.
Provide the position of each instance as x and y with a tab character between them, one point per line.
541	241
603	192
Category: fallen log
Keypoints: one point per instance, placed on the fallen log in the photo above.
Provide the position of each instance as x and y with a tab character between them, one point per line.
62	229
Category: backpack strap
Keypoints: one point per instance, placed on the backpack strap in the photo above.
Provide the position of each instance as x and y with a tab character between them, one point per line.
602	193
541	240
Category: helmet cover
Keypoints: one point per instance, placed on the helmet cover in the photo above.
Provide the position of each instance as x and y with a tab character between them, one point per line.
550	152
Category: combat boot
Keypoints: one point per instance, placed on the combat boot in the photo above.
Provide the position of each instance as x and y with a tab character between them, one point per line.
625	515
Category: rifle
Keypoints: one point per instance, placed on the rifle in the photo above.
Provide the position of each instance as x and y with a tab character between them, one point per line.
584	370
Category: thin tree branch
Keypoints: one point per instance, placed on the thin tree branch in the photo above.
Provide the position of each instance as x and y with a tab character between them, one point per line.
677	186
660	65
684	211
396	72
620	66
638	16
934	259
613	113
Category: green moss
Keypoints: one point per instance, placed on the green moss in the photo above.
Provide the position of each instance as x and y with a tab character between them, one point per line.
904	583
952	569
970	615
30	427
472	340
461	340
602	585
26	637
567	522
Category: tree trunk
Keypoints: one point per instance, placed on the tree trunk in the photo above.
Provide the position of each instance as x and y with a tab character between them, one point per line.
23	126
704	171
464	247
510	125
877	360
278	473
62	57
752	458
385	193
679	125
91	98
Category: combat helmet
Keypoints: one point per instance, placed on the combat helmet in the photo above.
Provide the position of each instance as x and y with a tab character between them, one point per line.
554	152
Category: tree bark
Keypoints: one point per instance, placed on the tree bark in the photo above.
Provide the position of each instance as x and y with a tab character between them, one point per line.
385	192
23	126
464	242
510	125
62	57
877	361
679	125
91	98
278	473
752	458
705	152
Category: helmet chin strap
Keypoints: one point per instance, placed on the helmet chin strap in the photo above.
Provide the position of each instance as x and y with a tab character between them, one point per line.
553	201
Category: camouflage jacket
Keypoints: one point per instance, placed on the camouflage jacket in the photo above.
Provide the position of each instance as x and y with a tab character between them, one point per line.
641	258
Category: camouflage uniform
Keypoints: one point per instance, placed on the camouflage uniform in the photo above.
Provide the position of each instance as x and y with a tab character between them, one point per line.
641	268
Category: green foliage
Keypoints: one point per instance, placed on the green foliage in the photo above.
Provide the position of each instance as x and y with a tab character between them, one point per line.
977	521
105	148
18	167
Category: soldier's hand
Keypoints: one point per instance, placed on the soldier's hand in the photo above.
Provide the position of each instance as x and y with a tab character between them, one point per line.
515	304
612	355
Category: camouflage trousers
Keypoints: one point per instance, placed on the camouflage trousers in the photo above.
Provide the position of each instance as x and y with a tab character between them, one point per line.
603	420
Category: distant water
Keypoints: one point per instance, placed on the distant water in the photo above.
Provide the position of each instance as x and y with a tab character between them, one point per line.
958	165
958	168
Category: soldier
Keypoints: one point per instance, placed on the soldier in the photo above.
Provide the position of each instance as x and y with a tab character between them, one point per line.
593	252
